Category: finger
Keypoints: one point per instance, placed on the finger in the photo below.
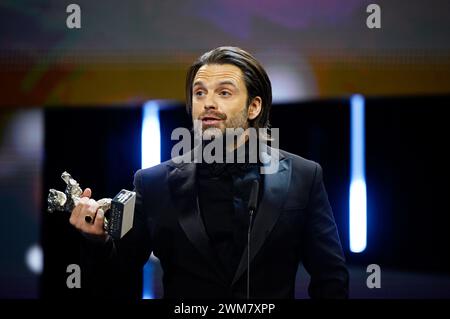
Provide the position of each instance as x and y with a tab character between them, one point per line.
92	206
95	228
99	221
84	208
77	211
87	193
90	211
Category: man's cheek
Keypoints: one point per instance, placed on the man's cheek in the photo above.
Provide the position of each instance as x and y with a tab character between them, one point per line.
195	114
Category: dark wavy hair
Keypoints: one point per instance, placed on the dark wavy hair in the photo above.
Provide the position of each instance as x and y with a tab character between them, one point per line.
255	77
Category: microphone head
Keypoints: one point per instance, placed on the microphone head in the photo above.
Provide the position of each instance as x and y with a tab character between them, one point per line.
253	200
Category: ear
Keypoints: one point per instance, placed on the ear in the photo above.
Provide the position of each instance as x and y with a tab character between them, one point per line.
254	108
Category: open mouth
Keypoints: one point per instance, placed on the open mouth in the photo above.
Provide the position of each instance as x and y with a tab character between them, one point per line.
211	121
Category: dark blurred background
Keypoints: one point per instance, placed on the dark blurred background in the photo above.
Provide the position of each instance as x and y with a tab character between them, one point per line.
101	102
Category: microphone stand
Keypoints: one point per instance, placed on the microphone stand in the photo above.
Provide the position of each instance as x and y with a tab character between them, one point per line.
252	203
248	252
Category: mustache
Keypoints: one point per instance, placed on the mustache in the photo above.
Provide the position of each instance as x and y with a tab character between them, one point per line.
214	114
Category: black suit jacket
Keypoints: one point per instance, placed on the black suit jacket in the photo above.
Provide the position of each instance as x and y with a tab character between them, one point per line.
294	223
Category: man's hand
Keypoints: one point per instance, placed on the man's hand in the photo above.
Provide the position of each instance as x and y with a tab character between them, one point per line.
88	207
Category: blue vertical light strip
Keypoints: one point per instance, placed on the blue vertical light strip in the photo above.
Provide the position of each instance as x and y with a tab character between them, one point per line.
358	195
151	136
150	156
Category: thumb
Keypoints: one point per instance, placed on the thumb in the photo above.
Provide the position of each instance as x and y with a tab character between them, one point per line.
87	193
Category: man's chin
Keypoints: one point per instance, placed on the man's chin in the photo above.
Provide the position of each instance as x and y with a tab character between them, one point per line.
212	132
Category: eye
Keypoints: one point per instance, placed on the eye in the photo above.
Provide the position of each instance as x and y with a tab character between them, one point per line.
225	93
199	93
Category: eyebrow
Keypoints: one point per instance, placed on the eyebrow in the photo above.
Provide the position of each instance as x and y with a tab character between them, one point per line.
226	82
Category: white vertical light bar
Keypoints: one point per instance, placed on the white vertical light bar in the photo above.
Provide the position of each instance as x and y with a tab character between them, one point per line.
150	156
358	195
151	136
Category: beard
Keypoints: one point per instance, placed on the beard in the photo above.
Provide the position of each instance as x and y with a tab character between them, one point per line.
239	120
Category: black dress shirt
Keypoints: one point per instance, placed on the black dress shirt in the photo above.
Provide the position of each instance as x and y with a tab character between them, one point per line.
224	190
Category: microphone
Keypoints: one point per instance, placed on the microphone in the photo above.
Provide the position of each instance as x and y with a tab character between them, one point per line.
252	204
253	200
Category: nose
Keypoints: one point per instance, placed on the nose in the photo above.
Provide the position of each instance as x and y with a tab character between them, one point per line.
210	107
210	103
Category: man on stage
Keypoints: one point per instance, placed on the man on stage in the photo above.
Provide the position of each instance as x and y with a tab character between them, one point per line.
194	215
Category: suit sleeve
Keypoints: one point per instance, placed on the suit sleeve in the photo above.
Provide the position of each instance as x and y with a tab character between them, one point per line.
323	257
114	269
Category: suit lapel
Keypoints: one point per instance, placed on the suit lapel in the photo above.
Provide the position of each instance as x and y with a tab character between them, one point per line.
184	195
275	190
